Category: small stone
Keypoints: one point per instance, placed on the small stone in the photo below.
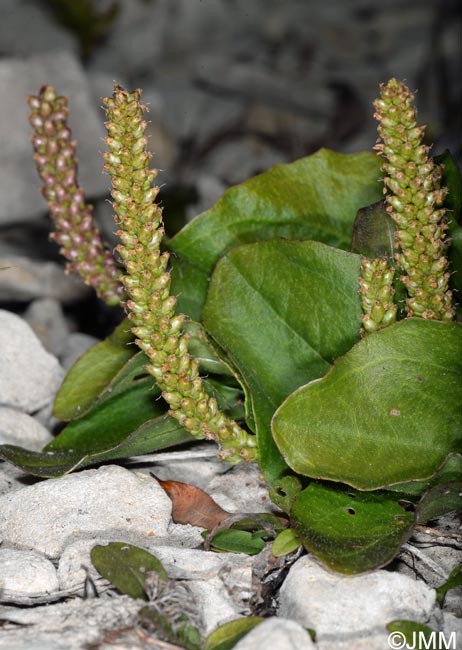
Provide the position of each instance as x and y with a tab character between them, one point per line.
24	279
282	634
19	181
25	573
220	583
38	33
72	625
12	478
20	429
237	160
29	376
337	606
46	318
241	489
452	625
77	344
49	515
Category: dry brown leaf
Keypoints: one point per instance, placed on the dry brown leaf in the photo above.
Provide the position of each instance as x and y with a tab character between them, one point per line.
191	505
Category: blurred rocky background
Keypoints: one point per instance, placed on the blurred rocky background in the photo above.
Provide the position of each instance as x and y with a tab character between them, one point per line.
233	87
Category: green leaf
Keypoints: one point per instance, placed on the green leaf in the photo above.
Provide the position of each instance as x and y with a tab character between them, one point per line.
411	634
451	179
153	435
237	541
93	372
350	531
183	632
286	542
285	491
441	499
374	232
126	566
282	311
189	284
389	411
453	203
200	348
451	470
316	197
227	635
129	401
454	580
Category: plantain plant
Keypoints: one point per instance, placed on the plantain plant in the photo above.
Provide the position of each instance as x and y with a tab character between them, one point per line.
306	322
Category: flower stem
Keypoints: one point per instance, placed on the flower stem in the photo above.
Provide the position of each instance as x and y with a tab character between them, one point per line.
76	233
150	306
376	292
414	196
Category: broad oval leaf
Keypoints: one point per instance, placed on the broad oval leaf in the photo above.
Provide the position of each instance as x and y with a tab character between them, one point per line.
350	531
389	411
126	566
316	197
282	311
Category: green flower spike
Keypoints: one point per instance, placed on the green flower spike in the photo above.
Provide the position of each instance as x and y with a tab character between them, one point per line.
376	292
147	282
414	196
76	232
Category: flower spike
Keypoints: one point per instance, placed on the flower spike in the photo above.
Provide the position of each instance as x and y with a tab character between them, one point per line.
376	292
414	196
76	233
150	306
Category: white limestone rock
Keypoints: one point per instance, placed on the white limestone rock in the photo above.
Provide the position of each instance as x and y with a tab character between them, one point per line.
19	182
241	489
110	500
221	584
46	318
29	376
76	345
72	625
22	279
342	607
25	573
18	428
276	633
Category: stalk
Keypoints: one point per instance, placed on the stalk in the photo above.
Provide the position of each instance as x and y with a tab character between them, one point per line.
150	306
414	199
76	233
376	292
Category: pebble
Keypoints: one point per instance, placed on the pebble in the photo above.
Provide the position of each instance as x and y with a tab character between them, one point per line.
19	181
25	573
339	607
20	429
220	583
284	635
49	515
72	625
46	318
23	279
29	375
77	344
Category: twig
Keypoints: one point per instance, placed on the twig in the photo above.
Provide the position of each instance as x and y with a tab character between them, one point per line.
419	553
